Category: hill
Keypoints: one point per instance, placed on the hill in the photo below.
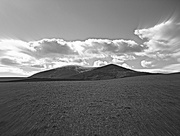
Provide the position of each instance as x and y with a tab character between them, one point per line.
6	79
62	72
110	71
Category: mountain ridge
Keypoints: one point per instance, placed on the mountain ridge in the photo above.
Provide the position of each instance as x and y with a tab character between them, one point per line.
75	72
61	72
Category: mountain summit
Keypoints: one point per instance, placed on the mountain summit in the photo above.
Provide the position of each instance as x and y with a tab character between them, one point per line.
62	72
74	72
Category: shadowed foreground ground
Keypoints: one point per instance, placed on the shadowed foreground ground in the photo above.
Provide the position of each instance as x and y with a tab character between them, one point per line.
146	105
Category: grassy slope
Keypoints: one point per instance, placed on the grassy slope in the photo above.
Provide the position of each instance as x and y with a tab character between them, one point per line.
144	105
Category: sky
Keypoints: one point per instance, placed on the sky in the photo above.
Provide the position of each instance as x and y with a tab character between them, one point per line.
37	35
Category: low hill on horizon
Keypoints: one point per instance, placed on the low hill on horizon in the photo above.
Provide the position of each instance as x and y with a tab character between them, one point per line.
61	72
7	79
73	72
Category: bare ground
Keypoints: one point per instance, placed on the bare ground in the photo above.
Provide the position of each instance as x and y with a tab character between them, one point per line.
146	106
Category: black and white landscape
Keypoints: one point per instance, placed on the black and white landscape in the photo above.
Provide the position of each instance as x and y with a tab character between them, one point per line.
89	68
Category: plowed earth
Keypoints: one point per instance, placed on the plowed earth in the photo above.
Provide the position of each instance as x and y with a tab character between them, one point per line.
144	105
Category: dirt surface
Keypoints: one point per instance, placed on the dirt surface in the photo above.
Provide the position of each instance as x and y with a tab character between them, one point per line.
144	105
2	79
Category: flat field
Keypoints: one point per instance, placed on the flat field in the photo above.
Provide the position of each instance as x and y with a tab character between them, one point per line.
144	105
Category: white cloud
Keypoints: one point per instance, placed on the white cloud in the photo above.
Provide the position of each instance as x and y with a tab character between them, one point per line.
122	58
105	46
15	71
8	61
99	63
162	43
172	67
126	66
51	47
87	48
163	36
146	64
155	70
51	53
15	45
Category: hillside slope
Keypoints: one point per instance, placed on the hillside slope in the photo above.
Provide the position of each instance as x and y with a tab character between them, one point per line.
62	72
110	71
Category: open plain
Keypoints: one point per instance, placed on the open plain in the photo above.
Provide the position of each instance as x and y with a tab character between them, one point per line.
133	106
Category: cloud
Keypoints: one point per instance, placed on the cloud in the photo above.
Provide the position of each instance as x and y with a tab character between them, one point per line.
105	46
146	64
13	71
15	45
55	52
172	67
122	58
37	66
87	48
7	61
155	70
51	47
161	42
163	36
99	63
126	66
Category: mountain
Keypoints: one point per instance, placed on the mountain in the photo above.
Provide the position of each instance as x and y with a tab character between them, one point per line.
72	72
110	71
62	72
